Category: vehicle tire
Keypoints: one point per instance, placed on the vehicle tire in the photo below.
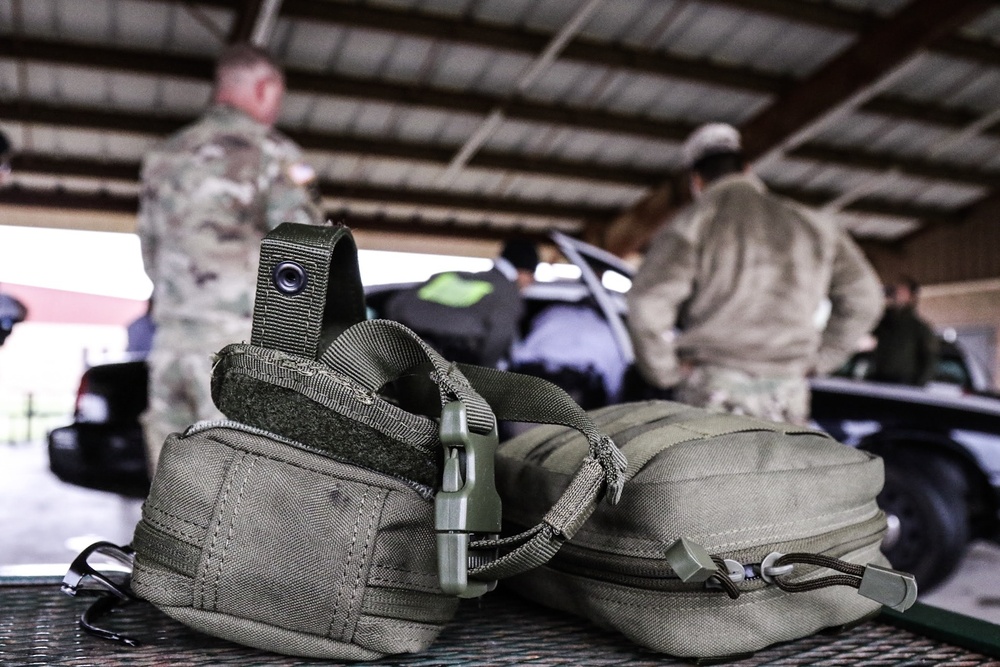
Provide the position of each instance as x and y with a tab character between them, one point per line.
933	520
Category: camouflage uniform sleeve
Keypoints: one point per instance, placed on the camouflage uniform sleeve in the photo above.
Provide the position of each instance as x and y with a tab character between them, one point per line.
289	184
145	224
664	281
856	304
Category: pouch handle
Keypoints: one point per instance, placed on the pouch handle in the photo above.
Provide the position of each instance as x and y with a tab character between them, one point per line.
526	398
517	397
379	351
308	288
375	352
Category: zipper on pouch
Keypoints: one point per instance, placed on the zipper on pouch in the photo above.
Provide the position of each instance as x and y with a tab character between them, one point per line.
656	573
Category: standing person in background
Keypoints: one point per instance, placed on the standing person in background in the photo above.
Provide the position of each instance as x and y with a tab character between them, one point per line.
209	195
907	349
139	332
6	153
723	308
12	311
471	317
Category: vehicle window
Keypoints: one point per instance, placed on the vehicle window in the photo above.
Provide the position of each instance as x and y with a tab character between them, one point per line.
951	371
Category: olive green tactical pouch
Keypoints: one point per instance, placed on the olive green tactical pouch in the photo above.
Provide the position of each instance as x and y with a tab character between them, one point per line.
323	519
725	537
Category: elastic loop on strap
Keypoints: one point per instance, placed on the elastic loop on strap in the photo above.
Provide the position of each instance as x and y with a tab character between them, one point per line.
308	288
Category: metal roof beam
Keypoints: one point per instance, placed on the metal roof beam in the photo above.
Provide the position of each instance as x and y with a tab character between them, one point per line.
147	62
872	206
114	203
254	22
836	17
882	162
447	28
159	125
519	39
922	112
82	117
129	171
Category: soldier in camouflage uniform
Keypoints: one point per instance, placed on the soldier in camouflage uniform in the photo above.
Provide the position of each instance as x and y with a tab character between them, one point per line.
209	195
724	308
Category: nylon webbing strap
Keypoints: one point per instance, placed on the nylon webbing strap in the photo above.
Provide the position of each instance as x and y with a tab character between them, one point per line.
330	298
526	398
378	351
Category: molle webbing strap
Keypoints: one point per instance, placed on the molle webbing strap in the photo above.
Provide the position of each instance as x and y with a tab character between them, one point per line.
331	299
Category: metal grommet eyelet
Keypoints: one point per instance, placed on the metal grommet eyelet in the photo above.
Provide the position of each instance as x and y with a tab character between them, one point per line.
289	278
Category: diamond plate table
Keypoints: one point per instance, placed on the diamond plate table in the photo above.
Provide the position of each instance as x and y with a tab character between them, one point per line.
38	626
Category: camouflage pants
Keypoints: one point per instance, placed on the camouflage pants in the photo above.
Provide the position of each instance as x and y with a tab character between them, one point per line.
781	399
180	374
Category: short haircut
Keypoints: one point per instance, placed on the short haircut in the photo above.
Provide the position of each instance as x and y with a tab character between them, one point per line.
522	253
714	166
242	63
911	284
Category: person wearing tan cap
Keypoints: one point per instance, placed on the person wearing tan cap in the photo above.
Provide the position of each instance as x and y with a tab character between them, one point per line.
723	311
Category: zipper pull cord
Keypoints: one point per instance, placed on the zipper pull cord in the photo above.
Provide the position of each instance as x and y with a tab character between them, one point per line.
896	590
851	573
722	577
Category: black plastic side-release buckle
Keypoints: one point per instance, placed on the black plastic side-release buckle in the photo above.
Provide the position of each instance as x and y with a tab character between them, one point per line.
468	502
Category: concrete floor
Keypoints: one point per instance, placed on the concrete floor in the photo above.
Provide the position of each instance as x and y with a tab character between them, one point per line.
44	522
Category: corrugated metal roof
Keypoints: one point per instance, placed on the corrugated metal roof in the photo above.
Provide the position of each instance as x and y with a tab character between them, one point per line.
713	36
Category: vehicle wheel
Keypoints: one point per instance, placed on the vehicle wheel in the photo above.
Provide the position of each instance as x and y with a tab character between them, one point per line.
933	521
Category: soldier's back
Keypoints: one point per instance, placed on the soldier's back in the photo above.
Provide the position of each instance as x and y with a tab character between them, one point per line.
205	214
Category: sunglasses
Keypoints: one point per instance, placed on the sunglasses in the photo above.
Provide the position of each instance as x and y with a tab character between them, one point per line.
82	578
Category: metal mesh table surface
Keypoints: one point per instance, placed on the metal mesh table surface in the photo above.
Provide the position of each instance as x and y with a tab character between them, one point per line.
38	626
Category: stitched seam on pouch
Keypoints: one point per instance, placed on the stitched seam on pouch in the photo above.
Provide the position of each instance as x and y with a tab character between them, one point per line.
159	510
700	536
361	566
347	563
215	535
318	471
376	580
778	471
772	526
232	528
173	532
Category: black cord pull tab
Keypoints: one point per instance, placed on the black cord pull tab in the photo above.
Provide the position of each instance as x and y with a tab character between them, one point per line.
896	590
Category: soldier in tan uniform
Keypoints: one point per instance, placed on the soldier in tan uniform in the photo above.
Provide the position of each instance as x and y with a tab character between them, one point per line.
724	309
209	195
